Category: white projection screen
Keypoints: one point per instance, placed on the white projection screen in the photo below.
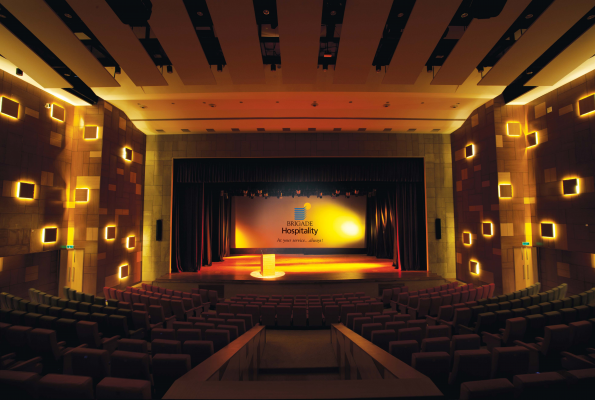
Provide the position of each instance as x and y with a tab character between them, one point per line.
299	222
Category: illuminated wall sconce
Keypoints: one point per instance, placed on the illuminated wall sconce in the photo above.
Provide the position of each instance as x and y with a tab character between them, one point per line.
91	132
487	229
9	107
81	195
58	113
570	186
586	105
467	238
474	267
110	233
50	235
26	190
513	129
127	154
130	242
505	191
548	230
532	139
123	271
469	151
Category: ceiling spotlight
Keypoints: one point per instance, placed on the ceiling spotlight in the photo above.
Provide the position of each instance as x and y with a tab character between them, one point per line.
252	196
219	67
399	15
464	15
337	191
260	193
347	194
19	72
590	17
273	67
298	192
266	195
118	70
266	12
245	193
2	16
170	69
333	12
68	15
356	192
529	72
378	68
325	68
200	13
66	73
528	16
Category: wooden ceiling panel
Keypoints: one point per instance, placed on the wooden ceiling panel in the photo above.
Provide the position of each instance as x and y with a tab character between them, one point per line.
235	26
299	39
20	55
176	34
554	22
119	40
479	38
425	27
360	35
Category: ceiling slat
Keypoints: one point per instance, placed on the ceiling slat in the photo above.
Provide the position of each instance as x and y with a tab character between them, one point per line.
19	54
425	27
360	35
570	58
119	40
43	22
299	39
479	38
236	28
174	29
554	22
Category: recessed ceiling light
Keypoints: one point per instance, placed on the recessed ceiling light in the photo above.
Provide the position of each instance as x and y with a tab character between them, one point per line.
528	16
399	15
464	15
333	12
590	17
68	15
265	12
529	72
156	55
2	16
200	14
439	56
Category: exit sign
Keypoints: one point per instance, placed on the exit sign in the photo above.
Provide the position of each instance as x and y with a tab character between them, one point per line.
70	246
526	244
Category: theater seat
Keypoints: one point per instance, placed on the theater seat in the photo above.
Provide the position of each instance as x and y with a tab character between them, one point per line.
382	338
487	389
430	345
434	365
167	368
199	350
403	349
470	365
189	334
331	315
119	388
57	386
358	322
134	345
90	362
163	346
219	337
130	365
18	384
367	330
545	385
509	361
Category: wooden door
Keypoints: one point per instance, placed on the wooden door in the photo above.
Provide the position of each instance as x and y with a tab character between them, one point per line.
74	269
525	267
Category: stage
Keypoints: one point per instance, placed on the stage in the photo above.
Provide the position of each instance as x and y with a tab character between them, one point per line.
304	274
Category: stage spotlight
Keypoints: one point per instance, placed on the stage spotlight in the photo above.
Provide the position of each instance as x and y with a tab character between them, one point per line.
298	192
266	195
356	192
320	195
347	194
245	193
259	193
252	196
337	191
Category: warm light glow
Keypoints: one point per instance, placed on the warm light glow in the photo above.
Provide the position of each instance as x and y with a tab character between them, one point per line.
467	239
19	194
49	239
123	271
553	230
578	187
485	228
2	105
350	228
474	267
579	103
257	274
107	229
57	111
130	242
127	154
536	139
499	193
514	129
90	132
88	195
470	149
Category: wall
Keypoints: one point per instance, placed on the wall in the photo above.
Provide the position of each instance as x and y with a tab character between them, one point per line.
163	148
566	149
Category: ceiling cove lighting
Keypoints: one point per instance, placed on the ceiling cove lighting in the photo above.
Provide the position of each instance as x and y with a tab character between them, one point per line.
467	238
58	113
586	105
123	271
91	132
505	191
9	107
487	228
532	139
50	235
130	242
469	151
548	230
514	129
26	190
110	233
127	154
474	267
81	195
570	186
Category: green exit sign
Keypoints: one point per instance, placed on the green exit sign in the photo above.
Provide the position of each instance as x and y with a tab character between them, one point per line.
526	244
68	247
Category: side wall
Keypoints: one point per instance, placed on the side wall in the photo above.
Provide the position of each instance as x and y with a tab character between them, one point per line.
163	148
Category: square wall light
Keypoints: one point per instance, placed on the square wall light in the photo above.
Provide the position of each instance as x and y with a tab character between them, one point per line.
487	229
58	113
110	233
123	271
81	195
505	191
513	129
9	107
91	132
532	139
50	235
586	105
130	242
474	267
127	154
467	238
570	186
469	151
548	230
26	190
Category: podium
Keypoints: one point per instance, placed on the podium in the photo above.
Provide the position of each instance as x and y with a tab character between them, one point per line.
267	265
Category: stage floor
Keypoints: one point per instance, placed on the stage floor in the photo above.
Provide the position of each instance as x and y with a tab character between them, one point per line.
300	268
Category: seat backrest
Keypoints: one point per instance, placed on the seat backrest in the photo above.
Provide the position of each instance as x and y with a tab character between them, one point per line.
90	362
130	365
557	338
219	337
515	330
509	361
44	343
88	333
462	316
470	365
434	365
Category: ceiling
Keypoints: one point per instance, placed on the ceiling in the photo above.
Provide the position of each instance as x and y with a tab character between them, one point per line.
198	66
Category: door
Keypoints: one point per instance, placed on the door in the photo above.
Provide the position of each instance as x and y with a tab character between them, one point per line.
72	270
525	267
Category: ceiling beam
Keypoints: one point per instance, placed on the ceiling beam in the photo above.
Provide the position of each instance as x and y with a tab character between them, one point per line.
425	27
119	40
360	35
554	22
237	31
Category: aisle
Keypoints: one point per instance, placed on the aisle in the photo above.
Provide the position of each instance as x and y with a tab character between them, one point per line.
294	355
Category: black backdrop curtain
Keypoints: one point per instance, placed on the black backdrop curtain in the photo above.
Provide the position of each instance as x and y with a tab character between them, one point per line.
201	213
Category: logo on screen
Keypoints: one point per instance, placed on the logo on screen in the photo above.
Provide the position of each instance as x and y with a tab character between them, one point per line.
299	213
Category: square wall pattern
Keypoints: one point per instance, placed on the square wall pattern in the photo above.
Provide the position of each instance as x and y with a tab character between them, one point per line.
434	148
